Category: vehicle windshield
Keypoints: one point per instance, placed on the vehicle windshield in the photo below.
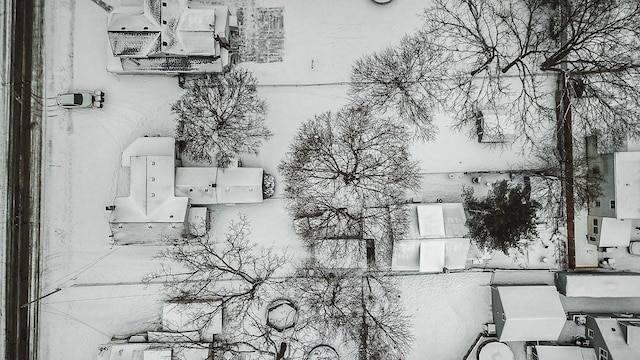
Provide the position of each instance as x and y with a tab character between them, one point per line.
77	99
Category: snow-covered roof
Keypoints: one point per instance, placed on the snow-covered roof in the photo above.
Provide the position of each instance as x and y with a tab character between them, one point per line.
435	255
212	185
547	352
495	127
441	220
205	317
530	313
151	198
613	336
154	351
140	22
614	232
169	36
156	145
627	184
198	183
601	285
133	44
239	185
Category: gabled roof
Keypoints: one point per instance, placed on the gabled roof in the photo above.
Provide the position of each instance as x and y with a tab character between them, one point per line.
441	220
151	198
530	313
614	338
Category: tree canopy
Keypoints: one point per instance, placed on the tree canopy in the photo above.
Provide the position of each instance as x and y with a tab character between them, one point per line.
346	172
221	116
503	54
503	218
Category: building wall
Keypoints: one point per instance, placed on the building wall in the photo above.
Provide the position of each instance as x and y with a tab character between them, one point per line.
597	341
594	229
497	310
602	205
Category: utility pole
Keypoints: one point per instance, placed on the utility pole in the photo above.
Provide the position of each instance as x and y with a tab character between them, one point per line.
565	140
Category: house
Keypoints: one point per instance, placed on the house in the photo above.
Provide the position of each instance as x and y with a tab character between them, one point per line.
598	284
187	333
549	352
611	215
159	208
614	338
179	36
439	244
151	212
527	313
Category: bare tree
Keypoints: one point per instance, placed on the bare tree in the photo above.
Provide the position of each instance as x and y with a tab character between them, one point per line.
347	172
221	116
355	306
230	270
407	78
503	54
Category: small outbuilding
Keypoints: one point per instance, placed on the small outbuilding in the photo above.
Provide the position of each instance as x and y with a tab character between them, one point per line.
440	243
549	352
598	284
527	313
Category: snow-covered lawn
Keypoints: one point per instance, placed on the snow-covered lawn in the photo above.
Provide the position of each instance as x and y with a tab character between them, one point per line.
82	167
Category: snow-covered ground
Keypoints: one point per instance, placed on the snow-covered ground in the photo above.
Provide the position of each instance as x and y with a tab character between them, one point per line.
101	293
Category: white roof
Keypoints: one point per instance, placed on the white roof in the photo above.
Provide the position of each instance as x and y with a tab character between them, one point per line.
155	351
564	353
179	317
614	232
496	126
159	146
627	180
531	313
157	354
198	184
407	254
208	186
602	285
432	256
441	220
239	185
616	343
139	22
151	197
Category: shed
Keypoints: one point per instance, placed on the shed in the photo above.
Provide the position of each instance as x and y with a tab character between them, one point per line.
494	126
548	352
441	220
598	285
614	232
430	255
527	313
204	317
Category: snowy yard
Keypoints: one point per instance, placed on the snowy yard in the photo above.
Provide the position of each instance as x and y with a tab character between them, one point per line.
101	292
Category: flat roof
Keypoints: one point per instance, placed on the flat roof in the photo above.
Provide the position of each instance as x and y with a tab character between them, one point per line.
627	184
